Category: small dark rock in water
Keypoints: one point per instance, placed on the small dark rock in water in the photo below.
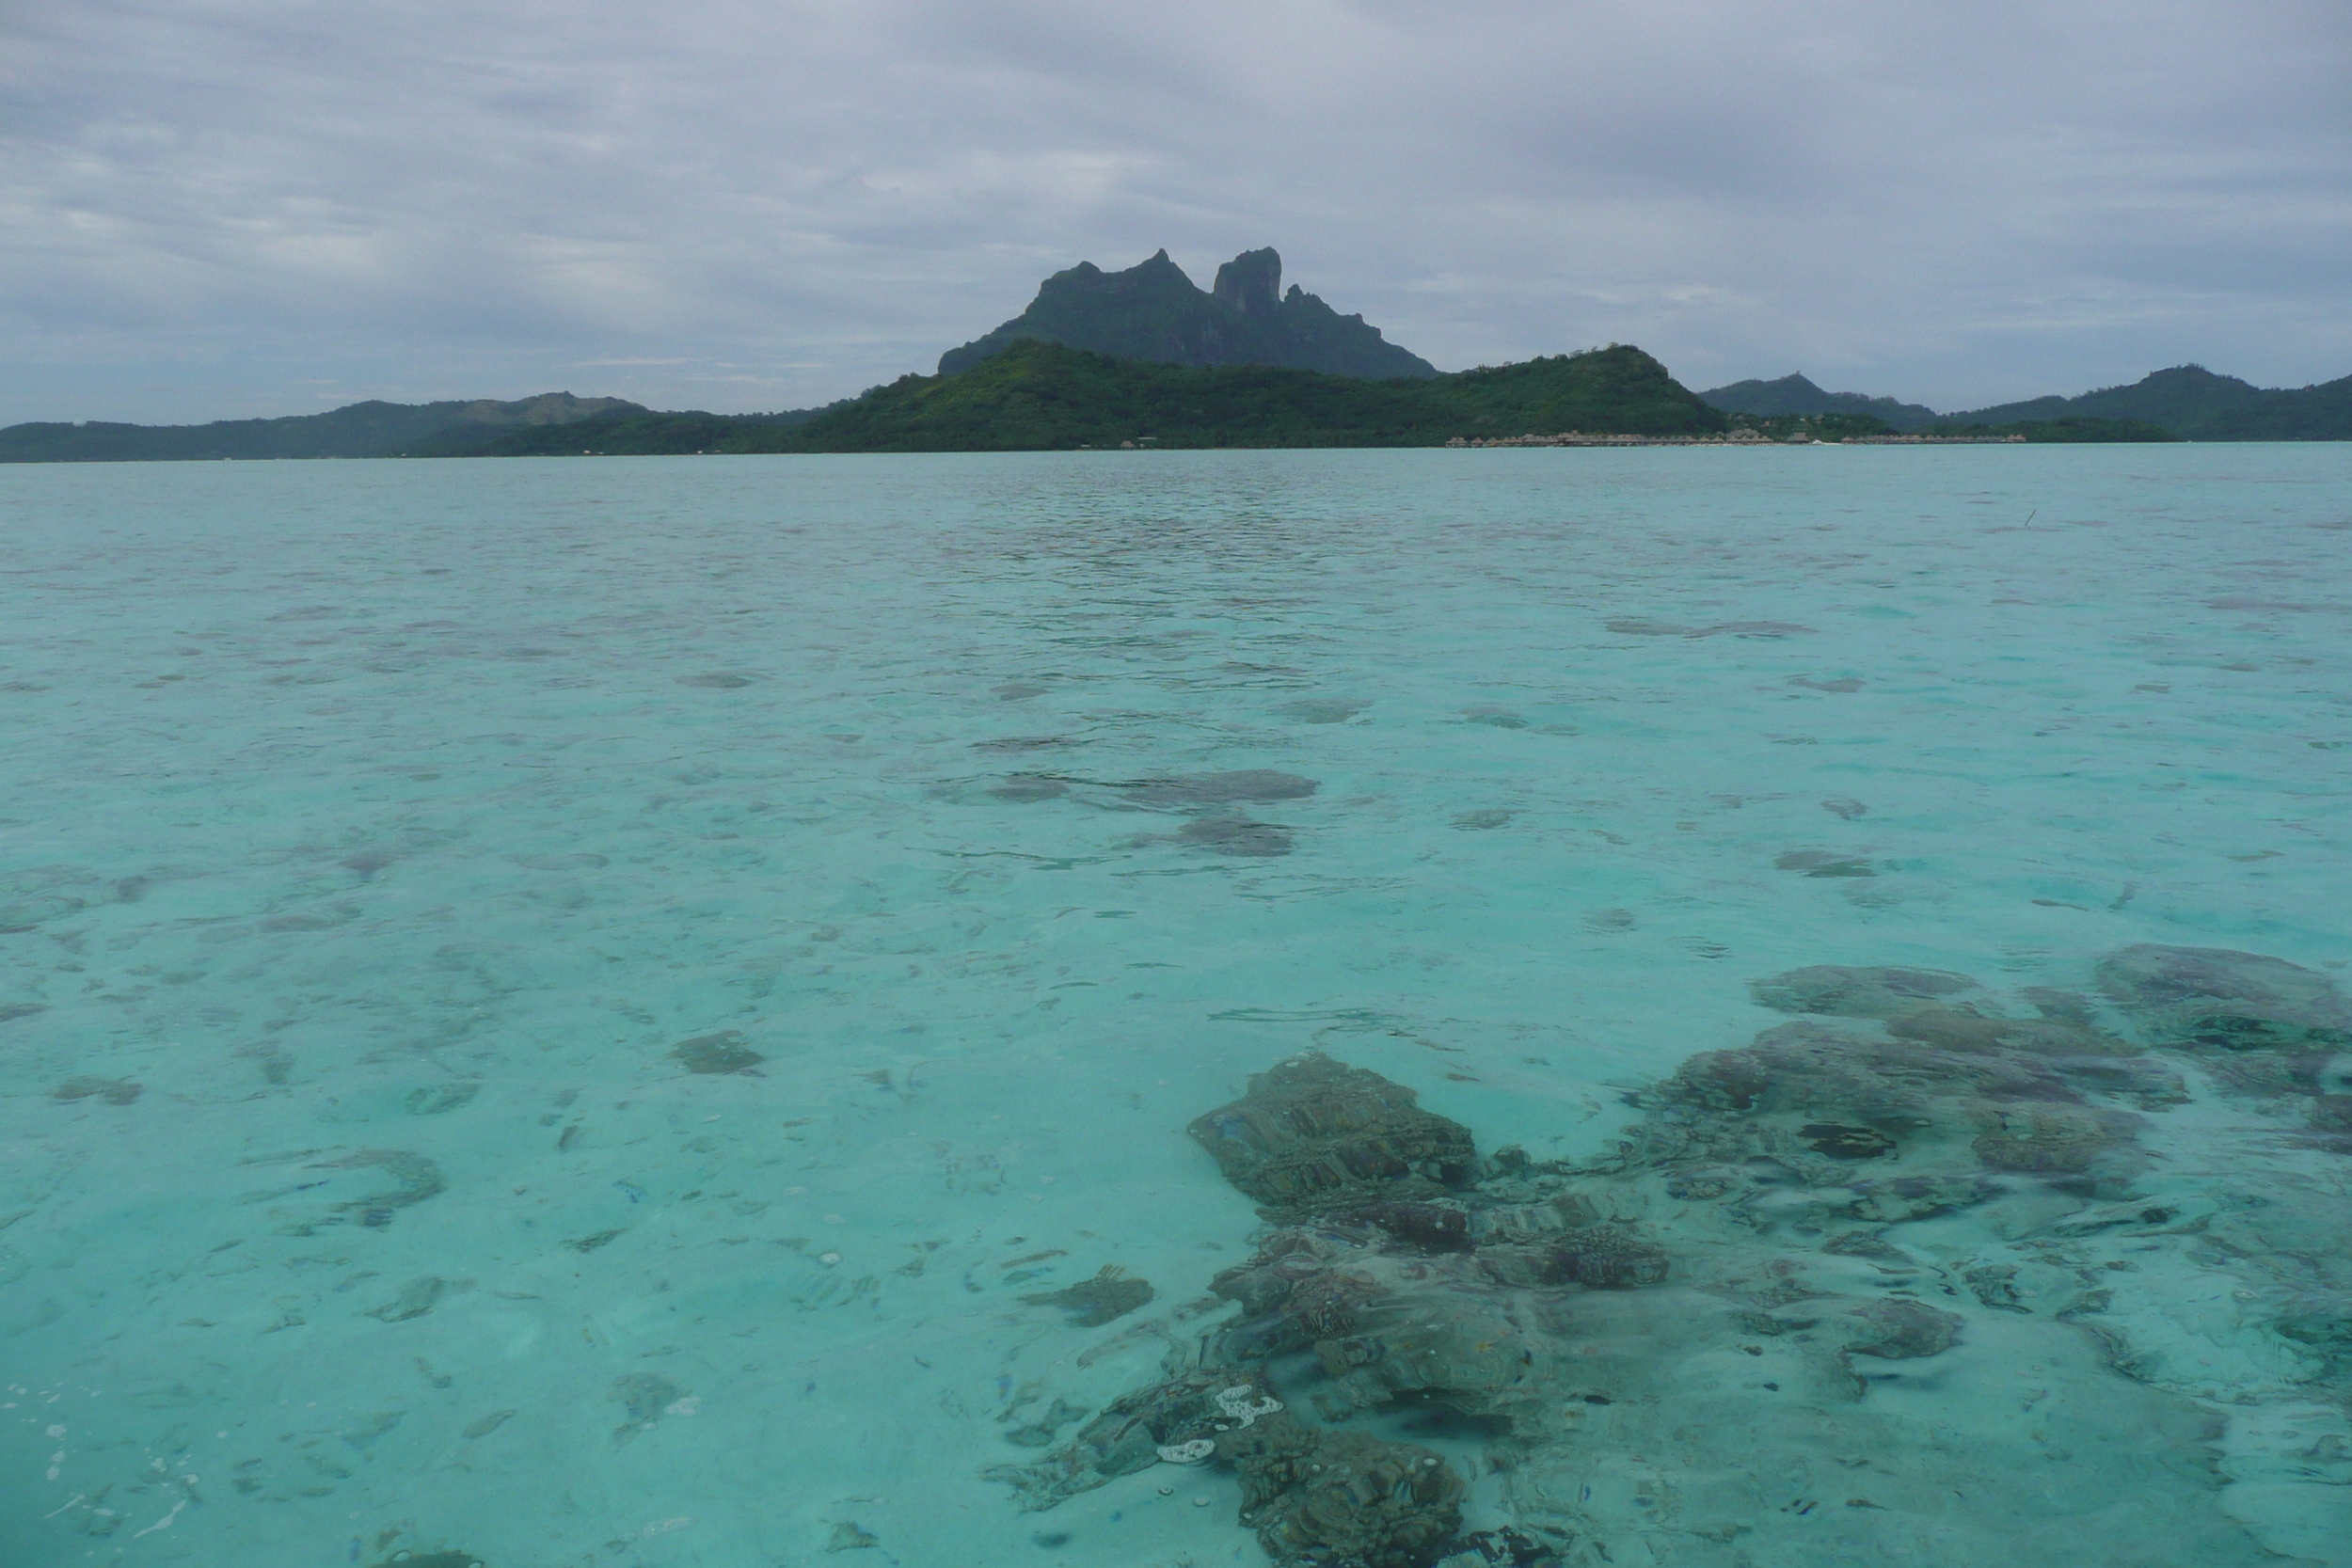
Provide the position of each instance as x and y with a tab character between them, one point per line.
1431	1226
1897	1330
1494	717
1721	628
2052	1140
416	1298
1023	789
1844	992
1322	711
1022	743
644	1396
413	1178
1507	1548
1324	1497
1603	1257
2060	1007
1220	789
846	1537
1040	1432
1130	1434
725	680
583	861
436	1100
1840	1142
1828	1076
2147	1084
1995	1285
1757	628
114	1091
1847	809
1314	1134
1908	1002
729	1051
1235	836
1961	1029
1091	1303
1493	817
2320	1323
1870	1245
1822	862
2222	1000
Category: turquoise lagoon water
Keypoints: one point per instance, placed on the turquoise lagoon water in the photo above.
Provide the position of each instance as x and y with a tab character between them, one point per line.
372	836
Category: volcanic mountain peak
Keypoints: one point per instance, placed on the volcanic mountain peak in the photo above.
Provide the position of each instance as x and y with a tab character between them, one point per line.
1153	310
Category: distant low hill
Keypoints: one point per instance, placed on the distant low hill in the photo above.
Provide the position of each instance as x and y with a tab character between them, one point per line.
1154	312
628	430
1037	396
2193	403
1794	395
2187	403
358	430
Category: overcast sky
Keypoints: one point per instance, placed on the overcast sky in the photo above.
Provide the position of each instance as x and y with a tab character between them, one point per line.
214	208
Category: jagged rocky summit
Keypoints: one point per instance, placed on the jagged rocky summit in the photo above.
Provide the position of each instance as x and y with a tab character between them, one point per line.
1153	310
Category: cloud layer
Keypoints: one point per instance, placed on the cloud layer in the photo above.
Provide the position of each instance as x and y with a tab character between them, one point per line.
221	207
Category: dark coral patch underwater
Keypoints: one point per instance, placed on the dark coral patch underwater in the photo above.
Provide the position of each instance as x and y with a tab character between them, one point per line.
1749	1336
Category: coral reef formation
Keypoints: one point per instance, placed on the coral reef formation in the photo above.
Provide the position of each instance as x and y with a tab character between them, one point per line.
2213	999
1314	1134
1091	1303
1922	1241
114	1091
729	1051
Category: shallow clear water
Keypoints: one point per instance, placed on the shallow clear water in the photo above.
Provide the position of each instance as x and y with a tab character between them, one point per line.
372	834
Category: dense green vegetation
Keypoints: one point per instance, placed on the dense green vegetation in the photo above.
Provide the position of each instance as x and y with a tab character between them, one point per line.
1795	395
2192	402
2075	428
2186	403
358	430
1038	396
1154	312
634	431
1041	396
1819	427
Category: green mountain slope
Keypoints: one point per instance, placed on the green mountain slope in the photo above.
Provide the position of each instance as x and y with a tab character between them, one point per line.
1040	397
2187	401
1795	394
1154	312
359	430
2073	429
2192	401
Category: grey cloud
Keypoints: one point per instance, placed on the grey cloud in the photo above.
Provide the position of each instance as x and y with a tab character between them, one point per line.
217	207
